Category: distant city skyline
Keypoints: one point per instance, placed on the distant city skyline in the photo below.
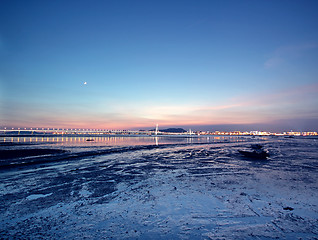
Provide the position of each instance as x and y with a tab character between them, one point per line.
204	65
23	132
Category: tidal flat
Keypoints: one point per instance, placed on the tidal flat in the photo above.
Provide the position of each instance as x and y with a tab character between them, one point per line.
158	188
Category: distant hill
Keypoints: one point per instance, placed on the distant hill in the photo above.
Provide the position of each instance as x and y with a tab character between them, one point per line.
168	130
173	130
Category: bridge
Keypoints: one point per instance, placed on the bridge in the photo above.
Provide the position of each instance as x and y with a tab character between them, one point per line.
82	131
97	131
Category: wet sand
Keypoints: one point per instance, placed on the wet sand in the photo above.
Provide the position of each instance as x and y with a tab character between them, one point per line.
193	191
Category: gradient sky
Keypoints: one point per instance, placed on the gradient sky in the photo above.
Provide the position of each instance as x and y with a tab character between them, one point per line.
201	64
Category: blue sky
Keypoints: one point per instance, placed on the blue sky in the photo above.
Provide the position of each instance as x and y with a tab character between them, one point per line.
199	64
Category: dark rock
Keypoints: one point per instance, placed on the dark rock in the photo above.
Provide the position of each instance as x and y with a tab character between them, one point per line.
288	208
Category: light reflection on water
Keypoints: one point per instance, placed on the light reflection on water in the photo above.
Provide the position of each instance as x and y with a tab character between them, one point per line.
119	140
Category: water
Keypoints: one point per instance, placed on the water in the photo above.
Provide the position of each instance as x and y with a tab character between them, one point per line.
17	151
169	187
113	140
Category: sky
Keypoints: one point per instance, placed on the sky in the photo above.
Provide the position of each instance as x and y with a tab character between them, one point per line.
205	65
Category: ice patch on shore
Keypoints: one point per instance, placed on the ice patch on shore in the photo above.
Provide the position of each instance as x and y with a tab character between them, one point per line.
84	192
36	196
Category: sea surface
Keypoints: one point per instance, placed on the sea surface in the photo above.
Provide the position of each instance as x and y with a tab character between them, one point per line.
165	187
29	150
